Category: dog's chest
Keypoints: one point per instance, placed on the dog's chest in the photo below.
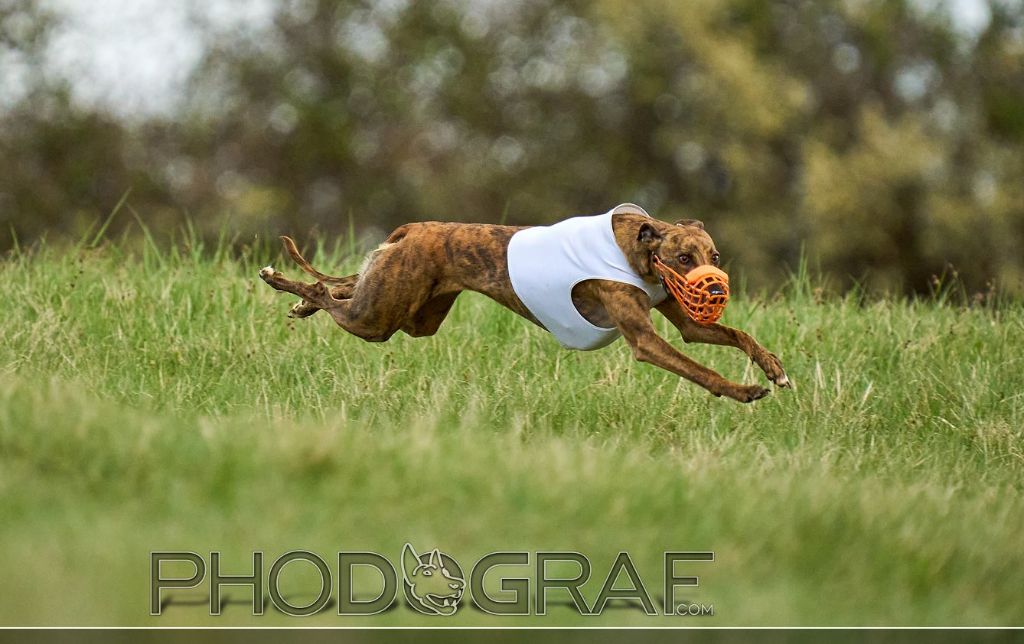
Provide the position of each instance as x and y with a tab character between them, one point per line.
547	263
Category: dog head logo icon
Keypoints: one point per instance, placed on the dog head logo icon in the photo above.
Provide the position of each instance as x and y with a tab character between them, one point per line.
434	582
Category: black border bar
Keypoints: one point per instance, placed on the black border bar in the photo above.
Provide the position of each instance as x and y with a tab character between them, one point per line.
509	635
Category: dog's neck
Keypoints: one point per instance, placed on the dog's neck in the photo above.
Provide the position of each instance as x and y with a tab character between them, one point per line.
626	227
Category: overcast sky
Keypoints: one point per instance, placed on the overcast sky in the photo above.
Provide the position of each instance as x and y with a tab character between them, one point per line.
136	54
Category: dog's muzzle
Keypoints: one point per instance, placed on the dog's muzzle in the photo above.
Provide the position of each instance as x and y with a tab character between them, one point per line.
702	293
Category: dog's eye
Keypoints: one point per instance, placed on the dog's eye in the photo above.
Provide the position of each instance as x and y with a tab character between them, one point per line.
715	258
685	259
427	573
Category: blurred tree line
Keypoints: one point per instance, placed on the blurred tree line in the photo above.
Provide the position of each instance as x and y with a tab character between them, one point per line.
873	136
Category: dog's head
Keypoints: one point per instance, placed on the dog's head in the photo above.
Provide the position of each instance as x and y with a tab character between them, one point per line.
682	246
684	258
433	581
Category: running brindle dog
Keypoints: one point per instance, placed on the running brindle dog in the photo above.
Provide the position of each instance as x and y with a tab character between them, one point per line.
411	281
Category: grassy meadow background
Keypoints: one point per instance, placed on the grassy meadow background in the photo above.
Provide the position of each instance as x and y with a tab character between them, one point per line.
156	400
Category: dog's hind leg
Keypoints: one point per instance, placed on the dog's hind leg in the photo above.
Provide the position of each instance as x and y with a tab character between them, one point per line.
313	293
341	287
319	295
341	291
396	282
293	250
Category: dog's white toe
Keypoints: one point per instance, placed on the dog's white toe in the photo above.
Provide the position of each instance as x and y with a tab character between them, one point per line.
266	271
783	381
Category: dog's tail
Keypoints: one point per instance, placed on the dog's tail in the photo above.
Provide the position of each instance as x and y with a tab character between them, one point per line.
293	250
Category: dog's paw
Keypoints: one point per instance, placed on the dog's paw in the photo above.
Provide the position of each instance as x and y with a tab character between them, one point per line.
266	272
302	310
751	393
744	393
772	367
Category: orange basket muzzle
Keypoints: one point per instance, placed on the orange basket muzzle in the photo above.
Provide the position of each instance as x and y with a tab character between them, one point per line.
702	293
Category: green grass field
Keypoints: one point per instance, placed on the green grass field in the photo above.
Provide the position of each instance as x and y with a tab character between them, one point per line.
163	401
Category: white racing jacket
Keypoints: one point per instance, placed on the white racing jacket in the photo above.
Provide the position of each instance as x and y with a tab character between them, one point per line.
546	262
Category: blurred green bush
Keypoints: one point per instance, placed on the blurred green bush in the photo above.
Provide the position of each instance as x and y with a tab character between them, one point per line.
876	137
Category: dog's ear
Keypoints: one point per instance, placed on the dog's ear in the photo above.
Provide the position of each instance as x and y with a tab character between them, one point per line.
697	223
435	559
648	235
410	561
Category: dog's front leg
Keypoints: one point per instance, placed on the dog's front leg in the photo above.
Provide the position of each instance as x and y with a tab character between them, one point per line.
628	307
726	336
